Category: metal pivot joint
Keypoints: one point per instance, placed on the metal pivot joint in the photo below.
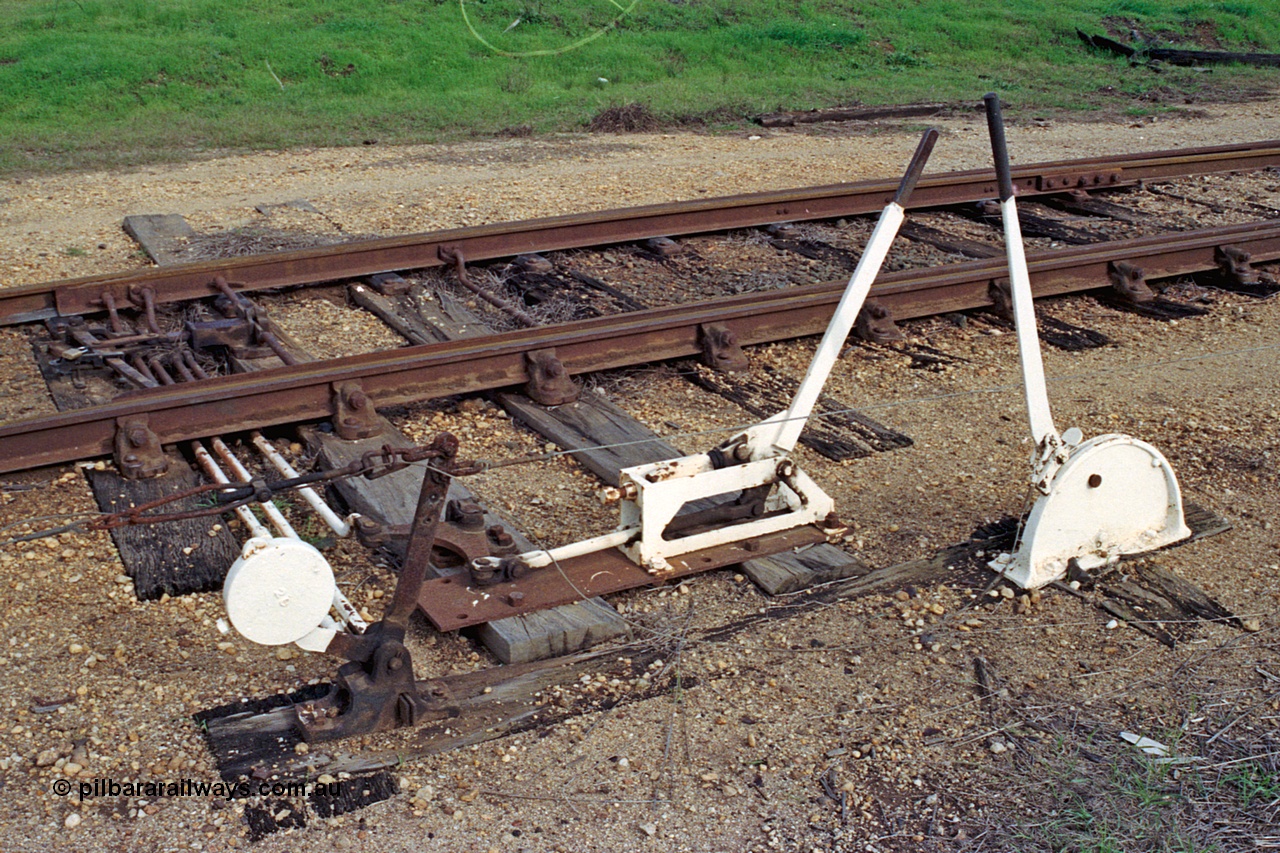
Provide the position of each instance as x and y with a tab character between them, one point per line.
374	696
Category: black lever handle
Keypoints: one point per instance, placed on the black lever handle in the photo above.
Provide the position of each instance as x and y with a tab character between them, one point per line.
999	148
916	167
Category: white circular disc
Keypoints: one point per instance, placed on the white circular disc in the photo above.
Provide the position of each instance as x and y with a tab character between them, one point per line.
278	591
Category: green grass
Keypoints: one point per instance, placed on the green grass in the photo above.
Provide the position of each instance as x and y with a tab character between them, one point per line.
105	82
1100	795
1133	804
1253	783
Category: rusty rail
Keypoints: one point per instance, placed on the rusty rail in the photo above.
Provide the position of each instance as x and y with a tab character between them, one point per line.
306	391
486	242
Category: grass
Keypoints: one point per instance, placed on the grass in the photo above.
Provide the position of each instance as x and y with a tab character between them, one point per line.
1097	794
1125	805
111	82
1253	784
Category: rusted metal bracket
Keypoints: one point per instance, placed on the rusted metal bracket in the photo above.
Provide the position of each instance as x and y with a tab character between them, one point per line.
375	690
453	255
236	304
720	348
144	298
389	284
373	697
1241	276
875	323
354	416
549	383
234	333
460	537
1001	293
1130	282
663	247
118	326
533	263
138	453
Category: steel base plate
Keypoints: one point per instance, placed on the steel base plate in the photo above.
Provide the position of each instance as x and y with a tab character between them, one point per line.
452	603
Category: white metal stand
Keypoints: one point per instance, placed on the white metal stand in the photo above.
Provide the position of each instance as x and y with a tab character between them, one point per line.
1101	499
652	495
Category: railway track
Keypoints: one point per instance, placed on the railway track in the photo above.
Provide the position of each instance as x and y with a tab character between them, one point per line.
1087	242
179	410
503	240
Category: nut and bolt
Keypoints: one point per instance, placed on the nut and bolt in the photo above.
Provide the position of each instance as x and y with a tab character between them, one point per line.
500	536
612	494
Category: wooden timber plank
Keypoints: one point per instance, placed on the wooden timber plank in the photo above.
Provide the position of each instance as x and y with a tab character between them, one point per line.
1034	224
449	317
495	702
489	703
163	236
392	499
790	119
551	633
784	573
948	242
603	438
178	557
406	324
1097	207
835	430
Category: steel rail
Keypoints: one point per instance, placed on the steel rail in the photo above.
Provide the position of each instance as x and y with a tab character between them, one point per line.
304	392
486	242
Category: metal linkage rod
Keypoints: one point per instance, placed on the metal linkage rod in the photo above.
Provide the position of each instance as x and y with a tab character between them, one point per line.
340	526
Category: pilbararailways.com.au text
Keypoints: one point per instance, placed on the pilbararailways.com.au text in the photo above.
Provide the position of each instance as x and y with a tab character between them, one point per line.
89	789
